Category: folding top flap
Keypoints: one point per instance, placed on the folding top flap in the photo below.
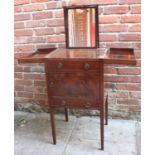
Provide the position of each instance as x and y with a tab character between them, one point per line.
37	57
120	56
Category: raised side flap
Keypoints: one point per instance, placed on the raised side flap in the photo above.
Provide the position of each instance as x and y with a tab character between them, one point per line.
37	57
120	56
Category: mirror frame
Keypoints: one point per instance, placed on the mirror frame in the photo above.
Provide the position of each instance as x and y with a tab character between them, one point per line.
66	8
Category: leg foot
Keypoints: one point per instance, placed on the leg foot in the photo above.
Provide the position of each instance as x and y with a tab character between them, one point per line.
53	127
106	111
102	128
66	114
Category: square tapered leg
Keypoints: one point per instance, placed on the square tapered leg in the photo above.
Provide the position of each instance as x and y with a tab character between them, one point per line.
102	128
106	111
53	126
66	114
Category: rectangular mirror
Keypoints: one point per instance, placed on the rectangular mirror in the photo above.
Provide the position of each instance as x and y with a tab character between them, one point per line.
81	26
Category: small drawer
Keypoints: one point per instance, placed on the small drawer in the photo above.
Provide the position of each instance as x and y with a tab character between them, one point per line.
73	66
74	103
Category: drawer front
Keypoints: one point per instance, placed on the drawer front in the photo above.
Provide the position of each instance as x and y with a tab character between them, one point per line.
74	103
76	84
58	66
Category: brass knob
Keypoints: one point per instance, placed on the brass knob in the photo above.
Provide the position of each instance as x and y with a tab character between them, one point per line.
87	104
63	102
60	65
86	66
51	84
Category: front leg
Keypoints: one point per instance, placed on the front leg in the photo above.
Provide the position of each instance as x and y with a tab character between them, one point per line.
66	114
53	126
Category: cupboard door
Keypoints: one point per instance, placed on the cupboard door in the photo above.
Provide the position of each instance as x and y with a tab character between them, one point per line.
75	84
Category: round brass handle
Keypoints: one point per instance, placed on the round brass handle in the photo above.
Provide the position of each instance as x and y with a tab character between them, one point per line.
87	104
86	66
63	102
51	84
60	65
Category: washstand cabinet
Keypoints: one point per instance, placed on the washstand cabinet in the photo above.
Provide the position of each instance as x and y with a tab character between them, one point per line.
75	74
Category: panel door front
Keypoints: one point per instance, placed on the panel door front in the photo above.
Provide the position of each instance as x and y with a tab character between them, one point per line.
75	84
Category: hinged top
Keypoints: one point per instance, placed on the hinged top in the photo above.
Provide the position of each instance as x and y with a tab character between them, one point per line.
109	56
62	53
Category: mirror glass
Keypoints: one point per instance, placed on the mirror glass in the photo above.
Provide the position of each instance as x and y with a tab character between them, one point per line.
82	28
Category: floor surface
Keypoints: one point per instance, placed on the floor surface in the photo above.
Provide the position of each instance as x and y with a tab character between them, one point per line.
79	136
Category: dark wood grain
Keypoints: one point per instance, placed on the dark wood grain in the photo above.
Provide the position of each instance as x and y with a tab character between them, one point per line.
51	109
122	56
101	103
76	84
62	65
37	57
